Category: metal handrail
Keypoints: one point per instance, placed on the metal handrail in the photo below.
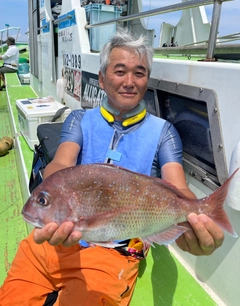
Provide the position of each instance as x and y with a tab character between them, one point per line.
68	17
197	50
214	29
158	11
220	39
43	27
7	30
176	7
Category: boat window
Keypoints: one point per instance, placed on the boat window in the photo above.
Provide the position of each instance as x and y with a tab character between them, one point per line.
194	113
34	22
150	98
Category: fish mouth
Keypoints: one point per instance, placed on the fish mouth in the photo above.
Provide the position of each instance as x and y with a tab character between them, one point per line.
32	221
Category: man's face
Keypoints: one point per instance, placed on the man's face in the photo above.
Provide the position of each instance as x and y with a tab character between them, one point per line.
126	79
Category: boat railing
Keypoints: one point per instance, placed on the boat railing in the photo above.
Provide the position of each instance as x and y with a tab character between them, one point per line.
158	11
200	47
7	30
210	45
220	40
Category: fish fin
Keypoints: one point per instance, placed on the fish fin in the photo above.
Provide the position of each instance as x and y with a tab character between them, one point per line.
167	236
218	214
221	219
169	186
148	242
156	180
108	244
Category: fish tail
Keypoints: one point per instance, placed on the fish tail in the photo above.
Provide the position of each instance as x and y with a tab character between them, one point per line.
216	202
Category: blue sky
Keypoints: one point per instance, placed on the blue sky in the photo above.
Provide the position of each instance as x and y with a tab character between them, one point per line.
15	13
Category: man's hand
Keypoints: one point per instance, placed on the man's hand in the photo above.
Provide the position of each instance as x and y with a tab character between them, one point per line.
203	238
55	235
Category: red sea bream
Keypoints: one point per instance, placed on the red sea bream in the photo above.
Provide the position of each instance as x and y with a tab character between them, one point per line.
108	203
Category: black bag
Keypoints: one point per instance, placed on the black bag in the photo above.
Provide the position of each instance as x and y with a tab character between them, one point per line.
49	134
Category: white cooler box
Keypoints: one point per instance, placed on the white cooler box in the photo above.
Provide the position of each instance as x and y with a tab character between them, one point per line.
32	112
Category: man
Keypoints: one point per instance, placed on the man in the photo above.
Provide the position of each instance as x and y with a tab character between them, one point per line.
11	59
56	267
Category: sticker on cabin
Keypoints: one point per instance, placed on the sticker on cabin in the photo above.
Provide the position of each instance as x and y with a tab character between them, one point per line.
92	94
73	86
77	83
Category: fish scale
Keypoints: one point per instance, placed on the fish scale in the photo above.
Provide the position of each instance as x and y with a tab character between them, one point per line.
106	203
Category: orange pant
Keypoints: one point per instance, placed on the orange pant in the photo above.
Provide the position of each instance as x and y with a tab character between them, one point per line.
85	277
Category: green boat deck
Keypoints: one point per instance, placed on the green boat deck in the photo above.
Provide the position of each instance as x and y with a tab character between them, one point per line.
162	279
12	227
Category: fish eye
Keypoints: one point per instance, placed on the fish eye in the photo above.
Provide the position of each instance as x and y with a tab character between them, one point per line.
43	199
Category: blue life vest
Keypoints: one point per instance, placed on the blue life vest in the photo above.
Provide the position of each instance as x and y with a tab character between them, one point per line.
134	151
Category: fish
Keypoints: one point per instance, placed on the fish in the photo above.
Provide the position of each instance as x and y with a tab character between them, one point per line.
109	203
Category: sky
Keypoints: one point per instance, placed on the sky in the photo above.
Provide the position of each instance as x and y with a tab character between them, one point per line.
15	13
